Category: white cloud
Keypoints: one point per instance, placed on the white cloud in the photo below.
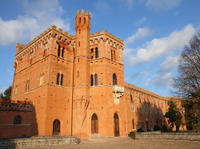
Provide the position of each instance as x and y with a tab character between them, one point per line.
170	63
141	21
160	46
39	15
162	4
141	33
162	80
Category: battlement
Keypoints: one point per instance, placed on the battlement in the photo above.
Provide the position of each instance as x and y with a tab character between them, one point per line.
20	48
8	105
78	13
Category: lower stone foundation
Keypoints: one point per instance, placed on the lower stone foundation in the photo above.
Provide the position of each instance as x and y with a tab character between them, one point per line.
192	136
37	141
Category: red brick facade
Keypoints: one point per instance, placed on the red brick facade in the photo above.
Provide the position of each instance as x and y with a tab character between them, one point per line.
76	83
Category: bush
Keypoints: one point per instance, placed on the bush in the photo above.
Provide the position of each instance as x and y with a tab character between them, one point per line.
140	130
164	128
156	128
131	135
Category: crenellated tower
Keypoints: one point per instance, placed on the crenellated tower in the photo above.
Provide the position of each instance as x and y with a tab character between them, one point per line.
81	69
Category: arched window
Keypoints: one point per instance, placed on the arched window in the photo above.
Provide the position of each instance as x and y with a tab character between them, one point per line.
91	80
131	97
61	79
79	43
58	50
92	53
96	53
133	125
17	120
56	127
84	20
116	124
94	123
114	79
80	20
63	50
58	79
96	79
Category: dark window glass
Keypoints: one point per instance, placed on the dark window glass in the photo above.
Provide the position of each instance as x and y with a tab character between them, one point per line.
92	53
96	79
61	79
114	79
91	80
96	53
58	79
17	120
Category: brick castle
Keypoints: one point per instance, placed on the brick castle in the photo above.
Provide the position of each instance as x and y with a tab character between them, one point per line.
76	85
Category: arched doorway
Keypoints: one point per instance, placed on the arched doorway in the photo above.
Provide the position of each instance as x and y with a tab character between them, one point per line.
116	125
56	127
94	124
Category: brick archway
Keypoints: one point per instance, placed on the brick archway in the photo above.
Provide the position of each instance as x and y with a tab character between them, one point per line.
56	127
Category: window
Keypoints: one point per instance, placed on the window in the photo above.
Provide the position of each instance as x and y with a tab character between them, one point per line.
114	79
79	43
17	120
113	55
58	50
91	80
92	53
79	20
96	53
27	85
84	20
94	123
133	124
59	80
96	79
63	50
131	98
44	53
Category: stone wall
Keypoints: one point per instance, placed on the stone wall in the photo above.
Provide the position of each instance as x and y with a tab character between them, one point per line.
193	136
37	141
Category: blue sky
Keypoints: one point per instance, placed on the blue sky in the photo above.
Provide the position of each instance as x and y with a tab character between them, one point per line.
154	33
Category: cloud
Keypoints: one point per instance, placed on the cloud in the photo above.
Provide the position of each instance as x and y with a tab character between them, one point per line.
160	46
162	5
141	33
139	76
163	77
141	21
39	15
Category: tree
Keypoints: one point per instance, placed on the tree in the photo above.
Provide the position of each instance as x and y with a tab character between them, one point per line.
188	81
174	115
6	94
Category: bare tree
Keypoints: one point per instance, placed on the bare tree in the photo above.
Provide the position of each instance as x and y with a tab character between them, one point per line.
188	81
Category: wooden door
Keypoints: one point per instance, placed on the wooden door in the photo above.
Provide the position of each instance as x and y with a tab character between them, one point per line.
94	124
116	125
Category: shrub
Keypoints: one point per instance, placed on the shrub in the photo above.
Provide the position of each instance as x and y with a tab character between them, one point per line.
140	130
156	128
131	135
164	128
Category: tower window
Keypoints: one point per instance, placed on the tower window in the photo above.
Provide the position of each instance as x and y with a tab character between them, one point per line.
58	50
114	79
80	20
91	53
96	53
131	98
84	20
96	79
91	80
79	43
59	80
63	50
